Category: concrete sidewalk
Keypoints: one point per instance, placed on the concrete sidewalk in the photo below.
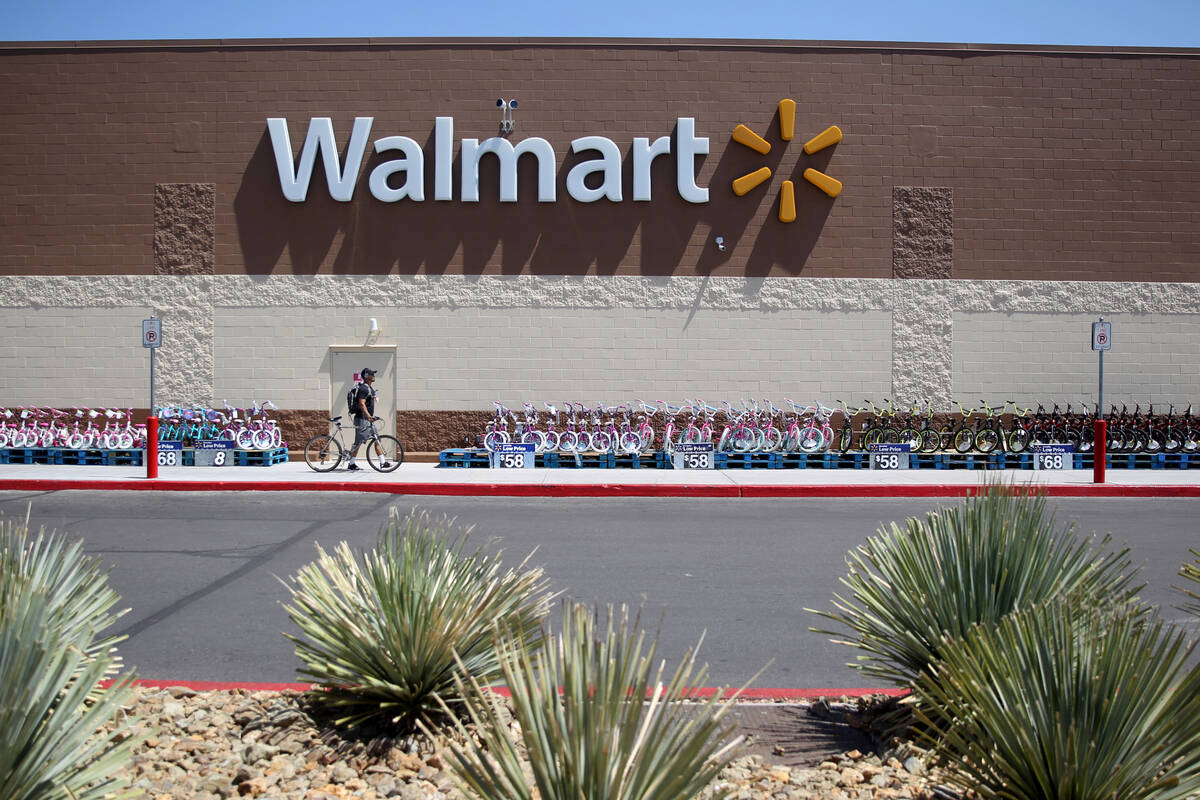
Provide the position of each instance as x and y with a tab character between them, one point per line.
429	479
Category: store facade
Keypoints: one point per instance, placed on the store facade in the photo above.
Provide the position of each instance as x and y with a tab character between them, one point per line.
650	218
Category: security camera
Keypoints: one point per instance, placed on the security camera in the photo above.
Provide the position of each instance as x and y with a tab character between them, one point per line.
720	240
500	103
512	103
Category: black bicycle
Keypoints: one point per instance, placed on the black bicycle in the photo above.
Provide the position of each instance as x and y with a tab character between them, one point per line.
326	451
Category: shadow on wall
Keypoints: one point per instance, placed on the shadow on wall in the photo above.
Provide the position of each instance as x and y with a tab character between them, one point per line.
563	238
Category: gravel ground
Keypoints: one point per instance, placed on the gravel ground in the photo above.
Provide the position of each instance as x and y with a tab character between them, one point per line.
216	745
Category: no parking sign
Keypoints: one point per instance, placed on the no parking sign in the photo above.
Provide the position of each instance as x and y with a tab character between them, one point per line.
1102	335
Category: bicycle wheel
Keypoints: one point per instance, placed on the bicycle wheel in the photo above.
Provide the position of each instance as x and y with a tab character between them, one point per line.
601	442
810	440
1174	440
390	455
964	440
124	440
568	441
986	440
772	440
846	439
494	438
1018	439
931	441
263	440
276	437
323	453
631	443
245	439
744	440
1155	441
912	438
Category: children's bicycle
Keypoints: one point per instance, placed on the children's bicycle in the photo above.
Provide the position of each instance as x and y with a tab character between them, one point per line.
326	451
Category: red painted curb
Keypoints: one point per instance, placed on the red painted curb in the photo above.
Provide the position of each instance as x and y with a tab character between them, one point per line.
581	490
705	691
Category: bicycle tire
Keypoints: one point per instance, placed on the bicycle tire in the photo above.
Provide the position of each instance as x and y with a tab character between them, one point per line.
568	441
1018	439
320	452
986	440
124	440
263	440
931	441
391	457
964	440
245	439
1174	441
631	443
75	442
911	437
536	438
744	441
772	440
1155	442
493	438
276	437
601	442
846	439
810	440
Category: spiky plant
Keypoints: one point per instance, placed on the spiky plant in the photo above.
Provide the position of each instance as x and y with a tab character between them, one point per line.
381	633
1191	571
1059	702
52	709
596	720
911	588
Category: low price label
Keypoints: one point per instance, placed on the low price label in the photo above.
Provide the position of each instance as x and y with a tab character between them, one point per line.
214	453
170	454
513	455
889	456
1053	456
693	456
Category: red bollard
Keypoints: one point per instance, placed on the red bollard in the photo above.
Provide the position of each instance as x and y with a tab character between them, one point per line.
152	447
1099	449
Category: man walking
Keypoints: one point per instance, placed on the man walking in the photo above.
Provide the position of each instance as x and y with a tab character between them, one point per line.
364	418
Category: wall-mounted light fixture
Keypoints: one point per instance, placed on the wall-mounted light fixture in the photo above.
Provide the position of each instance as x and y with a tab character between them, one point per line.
373	326
507	125
720	240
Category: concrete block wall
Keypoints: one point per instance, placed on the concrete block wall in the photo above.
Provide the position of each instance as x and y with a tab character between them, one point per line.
465	341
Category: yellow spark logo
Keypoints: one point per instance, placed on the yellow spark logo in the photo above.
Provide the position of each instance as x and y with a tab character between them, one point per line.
787	193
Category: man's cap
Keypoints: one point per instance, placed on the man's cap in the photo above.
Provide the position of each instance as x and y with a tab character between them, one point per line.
365	371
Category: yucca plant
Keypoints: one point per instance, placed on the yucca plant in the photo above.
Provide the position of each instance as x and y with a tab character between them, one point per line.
596	720
1191	571
81	601
1000	551
52	709
1059	702
385	636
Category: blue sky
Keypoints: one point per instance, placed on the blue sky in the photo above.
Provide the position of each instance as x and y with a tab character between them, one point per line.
1150	23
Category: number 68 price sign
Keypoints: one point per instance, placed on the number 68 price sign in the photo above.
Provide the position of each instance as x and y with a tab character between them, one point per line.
513	455
889	456
1053	456
698	455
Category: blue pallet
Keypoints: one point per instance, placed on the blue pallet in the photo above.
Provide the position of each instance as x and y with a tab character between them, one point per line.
260	458
84	457
31	455
748	461
123	458
463	458
582	460
656	460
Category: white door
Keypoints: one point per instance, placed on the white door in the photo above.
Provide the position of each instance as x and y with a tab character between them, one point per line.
346	363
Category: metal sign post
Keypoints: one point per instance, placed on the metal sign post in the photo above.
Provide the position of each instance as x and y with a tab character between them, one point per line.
1101	341
152	339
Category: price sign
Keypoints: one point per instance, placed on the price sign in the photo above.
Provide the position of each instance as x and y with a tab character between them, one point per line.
513	455
214	453
694	456
1053	456
170	454
889	456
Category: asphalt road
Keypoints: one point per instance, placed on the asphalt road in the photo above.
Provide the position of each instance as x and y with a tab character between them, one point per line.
200	571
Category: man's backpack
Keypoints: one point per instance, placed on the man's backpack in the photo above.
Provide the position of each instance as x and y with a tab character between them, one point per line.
351	398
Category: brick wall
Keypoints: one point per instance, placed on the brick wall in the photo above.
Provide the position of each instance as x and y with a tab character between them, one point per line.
1062	164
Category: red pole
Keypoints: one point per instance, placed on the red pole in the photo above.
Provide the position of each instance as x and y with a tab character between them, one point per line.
152	447
1099	448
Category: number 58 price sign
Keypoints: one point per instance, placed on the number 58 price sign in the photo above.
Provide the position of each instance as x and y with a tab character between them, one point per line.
513	455
693	456
889	456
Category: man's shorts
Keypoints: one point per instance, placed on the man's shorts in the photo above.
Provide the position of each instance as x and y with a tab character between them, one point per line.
364	430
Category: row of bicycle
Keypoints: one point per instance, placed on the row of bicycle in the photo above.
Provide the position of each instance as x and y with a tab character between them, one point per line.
114	429
763	427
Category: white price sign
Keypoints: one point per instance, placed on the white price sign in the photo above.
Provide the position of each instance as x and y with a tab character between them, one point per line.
214	453
514	455
694	456
889	456
1053	456
170	454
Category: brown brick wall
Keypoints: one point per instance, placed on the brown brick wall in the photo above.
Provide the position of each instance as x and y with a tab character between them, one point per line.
1062	165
